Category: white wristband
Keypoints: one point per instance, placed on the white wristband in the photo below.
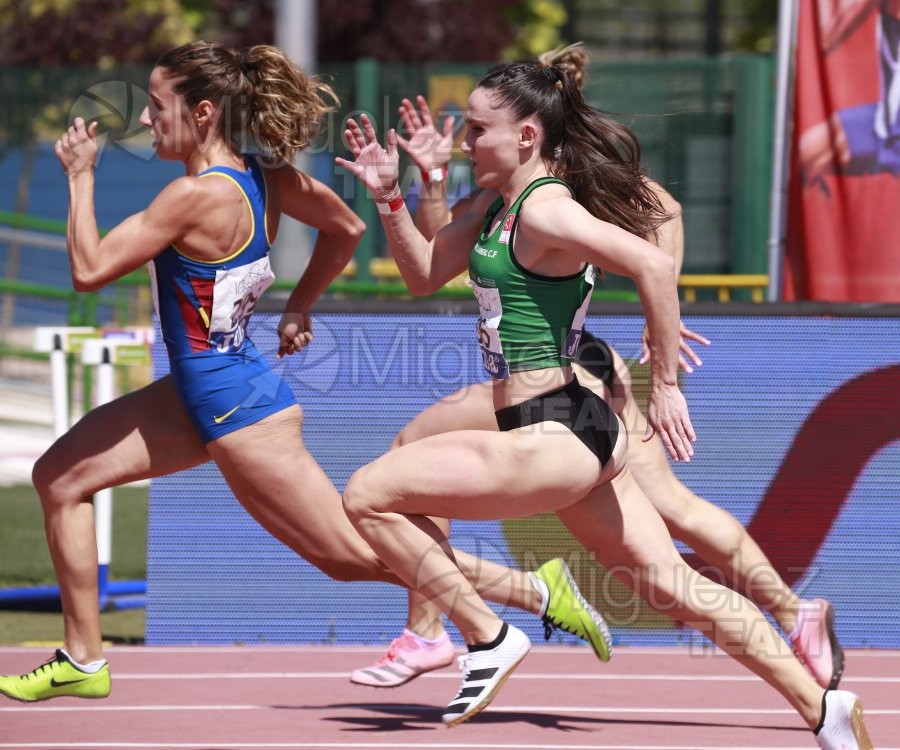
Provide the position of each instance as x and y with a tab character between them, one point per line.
437	174
391	202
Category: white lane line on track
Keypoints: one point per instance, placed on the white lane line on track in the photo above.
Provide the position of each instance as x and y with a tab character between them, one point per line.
395	707
371	745
117	676
624	651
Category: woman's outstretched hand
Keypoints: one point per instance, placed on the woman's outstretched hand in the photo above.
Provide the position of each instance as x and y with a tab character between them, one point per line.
376	167
428	147
685	351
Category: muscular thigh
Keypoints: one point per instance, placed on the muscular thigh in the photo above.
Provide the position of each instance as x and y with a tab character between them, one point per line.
480	475
280	484
471	408
142	434
619	525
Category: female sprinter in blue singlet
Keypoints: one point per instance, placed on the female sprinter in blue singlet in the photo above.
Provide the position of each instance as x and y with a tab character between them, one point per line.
865	138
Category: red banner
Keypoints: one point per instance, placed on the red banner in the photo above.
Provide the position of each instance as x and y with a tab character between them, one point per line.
843	231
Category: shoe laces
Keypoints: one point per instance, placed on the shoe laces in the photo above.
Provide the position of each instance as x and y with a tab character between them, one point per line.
462	661
404	641
50	663
550	622
549	626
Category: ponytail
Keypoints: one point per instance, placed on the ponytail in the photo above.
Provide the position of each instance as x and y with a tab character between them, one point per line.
598	156
263	96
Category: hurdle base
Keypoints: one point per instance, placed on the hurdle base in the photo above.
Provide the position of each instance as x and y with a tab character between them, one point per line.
118	595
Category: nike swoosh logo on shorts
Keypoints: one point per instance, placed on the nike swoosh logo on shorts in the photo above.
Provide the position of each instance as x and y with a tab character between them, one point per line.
219	420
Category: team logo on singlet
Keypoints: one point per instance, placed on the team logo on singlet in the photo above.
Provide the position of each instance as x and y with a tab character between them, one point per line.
507	229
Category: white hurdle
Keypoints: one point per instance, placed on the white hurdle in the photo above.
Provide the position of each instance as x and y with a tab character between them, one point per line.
101	349
59	342
116	347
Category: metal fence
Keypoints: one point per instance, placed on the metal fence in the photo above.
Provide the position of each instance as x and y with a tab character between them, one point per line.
705	125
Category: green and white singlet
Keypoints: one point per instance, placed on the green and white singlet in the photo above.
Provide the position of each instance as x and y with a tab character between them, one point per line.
527	321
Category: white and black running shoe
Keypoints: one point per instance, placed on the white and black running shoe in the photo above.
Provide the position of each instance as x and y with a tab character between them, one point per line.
486	667
842	726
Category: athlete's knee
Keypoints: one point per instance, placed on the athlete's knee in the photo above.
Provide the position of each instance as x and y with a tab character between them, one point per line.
659	576
347	568
58	485
405	436
359	499
678	513
701	524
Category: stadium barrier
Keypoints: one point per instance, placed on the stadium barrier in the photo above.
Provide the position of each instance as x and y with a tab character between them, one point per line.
798	420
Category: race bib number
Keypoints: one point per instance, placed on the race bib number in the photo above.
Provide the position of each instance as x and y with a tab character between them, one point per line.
488	332
235	294
570	345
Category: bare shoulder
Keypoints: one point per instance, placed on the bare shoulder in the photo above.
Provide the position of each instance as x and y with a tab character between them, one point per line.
183	196
286	178
182	188
479	201
669	204
549	203
549	191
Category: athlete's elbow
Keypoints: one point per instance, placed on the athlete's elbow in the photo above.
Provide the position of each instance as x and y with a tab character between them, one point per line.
86	281
351	231
355	229
347	237
659	270
419	286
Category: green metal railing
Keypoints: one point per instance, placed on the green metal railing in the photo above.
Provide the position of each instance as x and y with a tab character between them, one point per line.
83	307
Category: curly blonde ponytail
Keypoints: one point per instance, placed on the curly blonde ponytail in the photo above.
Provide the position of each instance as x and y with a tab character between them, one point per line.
288	106
262	93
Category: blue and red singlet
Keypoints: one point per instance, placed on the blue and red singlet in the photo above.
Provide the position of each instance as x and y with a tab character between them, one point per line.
204	308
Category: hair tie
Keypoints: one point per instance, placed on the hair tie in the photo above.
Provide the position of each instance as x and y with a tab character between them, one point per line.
554	75
244	62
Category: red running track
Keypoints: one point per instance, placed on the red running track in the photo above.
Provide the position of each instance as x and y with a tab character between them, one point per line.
286	698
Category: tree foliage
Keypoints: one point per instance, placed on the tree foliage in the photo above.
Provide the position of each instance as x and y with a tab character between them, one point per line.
105	32
91	32
537	25
760	33
406	30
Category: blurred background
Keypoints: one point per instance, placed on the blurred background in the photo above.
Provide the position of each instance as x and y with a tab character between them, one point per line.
694	78
719	92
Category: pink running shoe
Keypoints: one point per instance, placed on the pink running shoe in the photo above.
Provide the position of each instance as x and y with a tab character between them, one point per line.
816	644
405	660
